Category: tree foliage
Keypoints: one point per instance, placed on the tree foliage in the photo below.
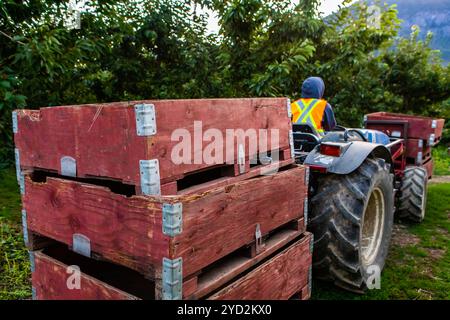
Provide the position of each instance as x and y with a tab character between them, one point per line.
162	49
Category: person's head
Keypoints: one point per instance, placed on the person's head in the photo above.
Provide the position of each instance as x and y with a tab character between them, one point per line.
313	87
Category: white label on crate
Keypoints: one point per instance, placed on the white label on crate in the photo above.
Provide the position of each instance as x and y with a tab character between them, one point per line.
396	134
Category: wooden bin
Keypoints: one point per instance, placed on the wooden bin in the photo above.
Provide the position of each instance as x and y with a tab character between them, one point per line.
132	142
418	127
151	234
283	273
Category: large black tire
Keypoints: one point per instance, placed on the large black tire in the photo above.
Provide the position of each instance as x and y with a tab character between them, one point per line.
338	209
413	194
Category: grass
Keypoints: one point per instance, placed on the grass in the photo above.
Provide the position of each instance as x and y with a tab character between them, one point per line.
441	160
417	270
14	264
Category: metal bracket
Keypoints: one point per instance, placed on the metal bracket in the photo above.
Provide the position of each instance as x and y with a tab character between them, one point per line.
432	139
241	158
150	180
419	158
32	261
25	226
33	293
68	166
17	158
81	244
291	143
305	211
172	218
365	118
145	119
310	279
311	244
258	239
433	124
19	175
172	279
289	111
420	143
15	124
307	175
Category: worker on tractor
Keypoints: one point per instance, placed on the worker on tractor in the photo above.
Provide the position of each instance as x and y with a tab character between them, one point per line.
311	109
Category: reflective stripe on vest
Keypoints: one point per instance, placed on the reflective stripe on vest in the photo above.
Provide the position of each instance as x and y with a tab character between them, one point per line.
309	111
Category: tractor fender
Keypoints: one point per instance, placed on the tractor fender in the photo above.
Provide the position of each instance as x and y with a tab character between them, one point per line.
354	154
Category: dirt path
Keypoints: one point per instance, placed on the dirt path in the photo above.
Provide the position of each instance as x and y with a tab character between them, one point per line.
440	179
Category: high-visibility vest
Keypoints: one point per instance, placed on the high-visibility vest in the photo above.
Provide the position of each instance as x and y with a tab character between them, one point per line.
309	111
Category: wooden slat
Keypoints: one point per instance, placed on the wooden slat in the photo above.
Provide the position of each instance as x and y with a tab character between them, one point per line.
235	265
279	278
49	280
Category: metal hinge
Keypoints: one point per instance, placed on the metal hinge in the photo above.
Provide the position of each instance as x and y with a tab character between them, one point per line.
68	166
311	244
19	175
145	119
172	279
419	158
307	176
25	226
305	211
420	143
150	180
172	218
310	279
33	293
433	124
432	139
32	261
241	158
81	244
15	124
258	239
289	110
291	143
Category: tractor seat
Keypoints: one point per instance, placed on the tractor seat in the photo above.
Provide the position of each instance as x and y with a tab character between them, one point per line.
305	138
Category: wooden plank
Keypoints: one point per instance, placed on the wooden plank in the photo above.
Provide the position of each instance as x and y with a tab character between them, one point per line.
50	279
102	138
279	278
128	230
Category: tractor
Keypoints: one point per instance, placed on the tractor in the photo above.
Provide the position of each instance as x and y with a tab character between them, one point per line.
359	180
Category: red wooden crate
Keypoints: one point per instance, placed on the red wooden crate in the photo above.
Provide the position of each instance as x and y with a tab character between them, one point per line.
419	127
104	140
277	279
131	230
282	271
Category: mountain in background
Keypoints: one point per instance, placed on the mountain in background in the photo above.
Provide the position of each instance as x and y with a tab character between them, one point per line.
429	15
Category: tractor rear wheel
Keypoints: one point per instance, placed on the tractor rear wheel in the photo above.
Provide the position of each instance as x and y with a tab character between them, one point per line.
351	217
413	194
